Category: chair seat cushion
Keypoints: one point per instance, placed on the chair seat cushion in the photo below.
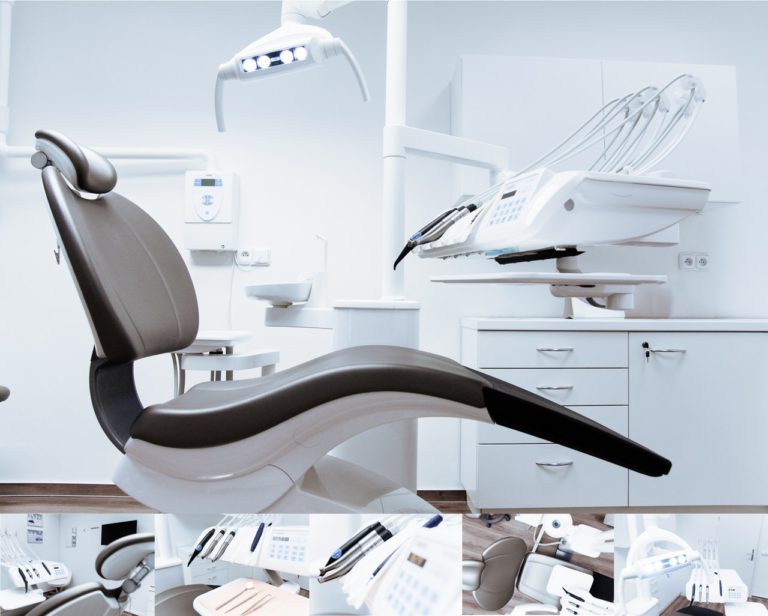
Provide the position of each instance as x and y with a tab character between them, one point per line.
217	413
65	597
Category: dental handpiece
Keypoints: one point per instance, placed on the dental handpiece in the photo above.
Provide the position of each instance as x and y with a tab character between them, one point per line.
411	243
439	230
213	544
354	556
347	545
382	534
199	547
224	545
257	538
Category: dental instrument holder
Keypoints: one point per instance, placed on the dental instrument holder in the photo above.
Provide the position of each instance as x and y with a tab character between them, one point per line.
579	290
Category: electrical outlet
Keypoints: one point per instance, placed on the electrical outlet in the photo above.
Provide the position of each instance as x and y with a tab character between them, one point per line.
254	255
702	261
686	261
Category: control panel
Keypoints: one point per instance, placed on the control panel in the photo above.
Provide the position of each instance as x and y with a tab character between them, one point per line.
285	549
210	210
416	584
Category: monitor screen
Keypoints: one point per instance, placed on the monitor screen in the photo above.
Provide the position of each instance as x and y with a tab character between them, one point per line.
111	532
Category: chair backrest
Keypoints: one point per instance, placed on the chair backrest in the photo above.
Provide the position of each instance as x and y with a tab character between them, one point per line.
133	283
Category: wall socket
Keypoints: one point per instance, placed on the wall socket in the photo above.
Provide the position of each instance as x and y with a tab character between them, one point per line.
254	256
693	261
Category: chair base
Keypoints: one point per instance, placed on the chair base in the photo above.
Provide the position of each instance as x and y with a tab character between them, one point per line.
332	485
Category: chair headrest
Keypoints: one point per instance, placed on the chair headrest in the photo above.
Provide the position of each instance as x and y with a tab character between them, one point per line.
119	558
82	167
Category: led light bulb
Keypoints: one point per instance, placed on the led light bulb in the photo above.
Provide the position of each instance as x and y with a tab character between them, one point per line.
263	61
249	65
286	56
300	53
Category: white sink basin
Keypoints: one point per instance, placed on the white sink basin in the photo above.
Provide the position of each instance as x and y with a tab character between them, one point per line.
281	294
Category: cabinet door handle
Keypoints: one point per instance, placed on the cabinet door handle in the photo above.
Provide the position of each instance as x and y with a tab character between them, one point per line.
554	349
668	350
555	464
553	387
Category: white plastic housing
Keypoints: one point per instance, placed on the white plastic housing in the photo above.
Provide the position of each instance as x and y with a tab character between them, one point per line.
542	209
211	206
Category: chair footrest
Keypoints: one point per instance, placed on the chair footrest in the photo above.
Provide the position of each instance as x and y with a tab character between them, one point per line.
237	361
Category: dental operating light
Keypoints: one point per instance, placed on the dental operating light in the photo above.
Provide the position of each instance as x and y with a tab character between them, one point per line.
293	46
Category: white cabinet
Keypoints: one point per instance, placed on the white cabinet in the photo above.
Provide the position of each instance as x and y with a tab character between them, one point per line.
204	571
700	399
704	405
587	371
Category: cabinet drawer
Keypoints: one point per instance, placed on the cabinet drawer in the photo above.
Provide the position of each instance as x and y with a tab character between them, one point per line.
572	387
541	349
213	578
518	476
615	418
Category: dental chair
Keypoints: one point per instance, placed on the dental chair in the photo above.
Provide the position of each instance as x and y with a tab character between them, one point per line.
258	444
506	565
129	559
179	601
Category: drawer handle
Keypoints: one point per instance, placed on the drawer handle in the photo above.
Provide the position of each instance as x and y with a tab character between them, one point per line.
649	349
667	350
555	464
554	349
553	387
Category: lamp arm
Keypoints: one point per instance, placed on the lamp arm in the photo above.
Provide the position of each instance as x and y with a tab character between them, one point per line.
299	11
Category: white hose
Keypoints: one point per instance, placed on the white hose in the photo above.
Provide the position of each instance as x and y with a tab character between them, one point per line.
342	46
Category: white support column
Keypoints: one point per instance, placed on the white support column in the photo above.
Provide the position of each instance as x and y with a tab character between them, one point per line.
393	215
6	14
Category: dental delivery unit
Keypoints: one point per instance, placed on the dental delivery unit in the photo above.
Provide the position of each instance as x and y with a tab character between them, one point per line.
256	444
539	213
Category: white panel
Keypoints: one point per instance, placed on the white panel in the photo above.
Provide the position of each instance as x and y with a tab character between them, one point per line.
571	386
497	349
705	410
511	478
710	151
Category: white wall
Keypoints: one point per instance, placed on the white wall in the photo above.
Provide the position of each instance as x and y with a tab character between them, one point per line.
141	74
16	525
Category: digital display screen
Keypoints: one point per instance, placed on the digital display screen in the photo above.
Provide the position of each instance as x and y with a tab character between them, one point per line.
511	193
208	182
111	532
417	560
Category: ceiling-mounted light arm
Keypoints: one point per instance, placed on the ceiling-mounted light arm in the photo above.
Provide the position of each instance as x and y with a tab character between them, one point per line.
299	11
336	47
295	45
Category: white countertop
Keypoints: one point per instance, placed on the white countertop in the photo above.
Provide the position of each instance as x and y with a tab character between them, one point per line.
616	325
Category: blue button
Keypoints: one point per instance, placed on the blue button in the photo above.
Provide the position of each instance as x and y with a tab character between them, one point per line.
207	200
